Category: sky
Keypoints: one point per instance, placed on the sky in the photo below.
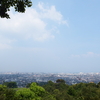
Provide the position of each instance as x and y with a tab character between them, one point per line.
52	36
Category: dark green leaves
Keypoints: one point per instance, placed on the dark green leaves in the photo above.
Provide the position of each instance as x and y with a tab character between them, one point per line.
19	5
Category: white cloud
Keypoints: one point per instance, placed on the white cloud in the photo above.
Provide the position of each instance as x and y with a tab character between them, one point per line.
51	13
88	54
26	25
31	24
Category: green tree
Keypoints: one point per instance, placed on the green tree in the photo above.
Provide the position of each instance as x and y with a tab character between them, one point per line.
71	91
19	6
60	81
10	94
98	85
24	94
6	93
28	85
38	90
90	93
10	84
57	94
50	87
48	96
2	92
34	92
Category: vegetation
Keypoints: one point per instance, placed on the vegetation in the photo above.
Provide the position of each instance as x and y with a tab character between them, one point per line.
51	91
10	84
19	5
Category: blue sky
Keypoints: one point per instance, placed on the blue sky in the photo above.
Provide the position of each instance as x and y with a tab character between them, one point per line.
52	36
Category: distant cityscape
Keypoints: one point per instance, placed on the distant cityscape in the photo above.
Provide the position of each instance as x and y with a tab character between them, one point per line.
22	79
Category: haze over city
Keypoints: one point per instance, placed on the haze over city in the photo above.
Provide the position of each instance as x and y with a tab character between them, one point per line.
52	36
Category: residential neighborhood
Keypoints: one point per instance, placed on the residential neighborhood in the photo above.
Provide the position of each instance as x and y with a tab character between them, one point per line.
22	79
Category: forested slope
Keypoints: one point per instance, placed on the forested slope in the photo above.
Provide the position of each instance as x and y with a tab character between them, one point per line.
51	91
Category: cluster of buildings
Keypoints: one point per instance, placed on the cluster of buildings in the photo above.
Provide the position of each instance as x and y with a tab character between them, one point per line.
22	79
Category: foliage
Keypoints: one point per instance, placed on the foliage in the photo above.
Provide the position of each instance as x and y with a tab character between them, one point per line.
2	92
10	94
50	86
60	81
48	96
28	85
6	93
52	91
19	5
34	92
80	91
3	87
24	94
38	90
71	91
10	84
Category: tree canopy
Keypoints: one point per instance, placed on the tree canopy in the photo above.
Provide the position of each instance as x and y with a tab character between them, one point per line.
19	6
52	91
60	81
10	84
